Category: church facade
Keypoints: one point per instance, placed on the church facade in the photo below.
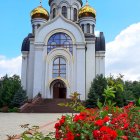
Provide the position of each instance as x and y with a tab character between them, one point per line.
62	54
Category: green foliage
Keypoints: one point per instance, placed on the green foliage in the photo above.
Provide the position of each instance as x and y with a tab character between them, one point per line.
8	87
15	109
96	91
118	88
132	91
75	104
32	133
19	98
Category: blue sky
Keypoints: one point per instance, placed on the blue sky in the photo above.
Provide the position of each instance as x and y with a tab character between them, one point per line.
113	17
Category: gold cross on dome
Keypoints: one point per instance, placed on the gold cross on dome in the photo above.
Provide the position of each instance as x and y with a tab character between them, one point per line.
40	2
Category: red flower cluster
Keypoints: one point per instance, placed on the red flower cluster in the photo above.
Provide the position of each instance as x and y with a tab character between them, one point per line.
58	125
105	133
123	120
101	122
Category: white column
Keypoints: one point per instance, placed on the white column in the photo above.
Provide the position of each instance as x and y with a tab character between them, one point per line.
30	70
38	70
90	64
24	70
100	62
81	70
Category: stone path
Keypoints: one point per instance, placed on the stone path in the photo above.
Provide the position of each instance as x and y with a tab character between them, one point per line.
10	122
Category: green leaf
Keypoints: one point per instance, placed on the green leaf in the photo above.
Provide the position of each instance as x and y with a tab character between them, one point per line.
99	104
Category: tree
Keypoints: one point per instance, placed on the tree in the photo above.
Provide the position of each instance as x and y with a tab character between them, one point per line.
19	98
118	85
96	91
8	87
132	90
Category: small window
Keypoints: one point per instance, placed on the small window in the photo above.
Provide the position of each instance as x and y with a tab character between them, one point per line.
88	28
75	14
38	25
54	13
82	27
64	11
93	28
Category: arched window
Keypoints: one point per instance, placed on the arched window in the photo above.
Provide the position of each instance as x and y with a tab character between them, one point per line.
64	11
83	27
93	28
60	40
59	67
54	12
75	14
88	28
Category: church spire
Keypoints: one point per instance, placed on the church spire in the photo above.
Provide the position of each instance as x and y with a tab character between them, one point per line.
40	2
87	2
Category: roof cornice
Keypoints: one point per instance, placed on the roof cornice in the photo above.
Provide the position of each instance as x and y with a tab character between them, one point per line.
77	0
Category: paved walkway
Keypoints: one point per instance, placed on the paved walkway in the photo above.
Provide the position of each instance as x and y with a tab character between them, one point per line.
10	122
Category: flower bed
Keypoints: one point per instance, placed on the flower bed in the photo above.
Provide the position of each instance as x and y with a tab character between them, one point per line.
109	124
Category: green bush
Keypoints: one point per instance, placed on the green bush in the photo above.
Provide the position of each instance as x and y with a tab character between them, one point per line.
96	91
15	109
9	88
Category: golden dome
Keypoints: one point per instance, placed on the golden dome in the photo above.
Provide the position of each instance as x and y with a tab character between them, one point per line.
39	12
87	11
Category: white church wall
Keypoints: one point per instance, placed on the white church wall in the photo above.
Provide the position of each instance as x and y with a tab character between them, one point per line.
69	4
60	24
24	69
30	74
81	71
100	62
90	64
38	69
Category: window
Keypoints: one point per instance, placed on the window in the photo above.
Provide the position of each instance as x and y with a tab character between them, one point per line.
54	13
75	14
88	28
59	67
64	11
82	27
60	40
93	28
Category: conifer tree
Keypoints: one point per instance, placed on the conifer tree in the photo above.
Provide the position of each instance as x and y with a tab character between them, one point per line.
96	90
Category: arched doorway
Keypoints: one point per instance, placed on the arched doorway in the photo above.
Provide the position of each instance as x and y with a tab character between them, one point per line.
59	90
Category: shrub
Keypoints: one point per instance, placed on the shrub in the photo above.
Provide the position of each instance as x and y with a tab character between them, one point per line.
19	98
96	91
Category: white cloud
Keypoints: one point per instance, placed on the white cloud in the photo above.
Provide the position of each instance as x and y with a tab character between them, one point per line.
123	53
10	66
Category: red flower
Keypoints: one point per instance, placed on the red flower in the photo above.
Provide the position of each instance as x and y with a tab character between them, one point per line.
125	126
99	122
77	135
96	133
57	134
69	136
57	126
132	130
79	117
124	137
106	119
62	120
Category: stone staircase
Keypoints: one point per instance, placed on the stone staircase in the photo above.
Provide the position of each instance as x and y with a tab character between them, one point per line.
47	106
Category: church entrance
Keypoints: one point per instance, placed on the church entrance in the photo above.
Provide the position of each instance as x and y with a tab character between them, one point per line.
59	90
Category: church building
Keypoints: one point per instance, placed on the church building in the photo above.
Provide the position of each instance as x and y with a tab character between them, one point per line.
62	55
